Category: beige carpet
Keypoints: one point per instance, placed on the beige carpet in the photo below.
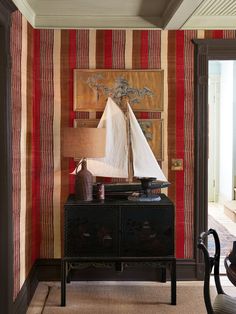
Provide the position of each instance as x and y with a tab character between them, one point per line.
117	298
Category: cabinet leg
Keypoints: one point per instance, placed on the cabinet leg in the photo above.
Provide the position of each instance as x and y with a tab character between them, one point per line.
163	274
173	282
63	282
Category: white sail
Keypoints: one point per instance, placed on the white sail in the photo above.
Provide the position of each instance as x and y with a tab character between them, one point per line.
144	161
115	164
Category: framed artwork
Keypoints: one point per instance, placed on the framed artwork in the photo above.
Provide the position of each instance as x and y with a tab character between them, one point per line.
152	129
143	89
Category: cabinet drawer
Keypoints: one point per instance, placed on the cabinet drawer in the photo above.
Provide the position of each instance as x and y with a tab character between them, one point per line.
147	230
91	231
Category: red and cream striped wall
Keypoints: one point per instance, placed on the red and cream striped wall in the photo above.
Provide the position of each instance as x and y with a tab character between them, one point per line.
42	105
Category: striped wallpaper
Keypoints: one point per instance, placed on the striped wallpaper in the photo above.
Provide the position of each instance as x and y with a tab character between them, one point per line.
42	105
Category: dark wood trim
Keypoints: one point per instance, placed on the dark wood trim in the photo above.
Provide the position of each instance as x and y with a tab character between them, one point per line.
186	269
6	7
27	291
205	50
49	269
6	239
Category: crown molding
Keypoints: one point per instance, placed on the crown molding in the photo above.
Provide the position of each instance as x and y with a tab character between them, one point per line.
179	12
111	22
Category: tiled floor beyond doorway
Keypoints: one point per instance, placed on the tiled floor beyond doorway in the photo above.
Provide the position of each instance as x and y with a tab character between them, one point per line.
216	210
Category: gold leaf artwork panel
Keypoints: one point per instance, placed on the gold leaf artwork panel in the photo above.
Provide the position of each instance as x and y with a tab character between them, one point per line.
87	98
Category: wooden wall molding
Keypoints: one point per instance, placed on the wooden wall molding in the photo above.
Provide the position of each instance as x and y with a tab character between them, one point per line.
27	291
205	50
6	238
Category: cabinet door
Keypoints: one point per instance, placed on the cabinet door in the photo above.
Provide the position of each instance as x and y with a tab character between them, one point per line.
91	230
148	230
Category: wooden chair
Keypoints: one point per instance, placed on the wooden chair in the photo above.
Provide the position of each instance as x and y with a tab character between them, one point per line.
223	303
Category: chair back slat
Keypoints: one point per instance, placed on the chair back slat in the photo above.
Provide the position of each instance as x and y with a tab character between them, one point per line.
210	263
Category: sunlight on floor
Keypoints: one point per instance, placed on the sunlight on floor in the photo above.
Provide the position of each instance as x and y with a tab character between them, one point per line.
216	210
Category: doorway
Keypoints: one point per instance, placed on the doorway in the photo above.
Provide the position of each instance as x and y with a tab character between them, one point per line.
221	100
205	51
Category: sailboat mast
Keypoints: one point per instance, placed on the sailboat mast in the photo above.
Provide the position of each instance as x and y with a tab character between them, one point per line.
130	154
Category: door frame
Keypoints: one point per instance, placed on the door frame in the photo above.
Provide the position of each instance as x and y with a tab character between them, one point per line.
205	50
6	228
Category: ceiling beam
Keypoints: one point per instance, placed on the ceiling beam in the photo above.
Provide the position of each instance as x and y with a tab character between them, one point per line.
211	22
178	12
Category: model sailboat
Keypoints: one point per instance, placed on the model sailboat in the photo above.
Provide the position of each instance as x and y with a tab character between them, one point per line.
125	142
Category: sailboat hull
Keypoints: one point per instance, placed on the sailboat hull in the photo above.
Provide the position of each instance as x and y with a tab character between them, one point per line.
144	198
124	190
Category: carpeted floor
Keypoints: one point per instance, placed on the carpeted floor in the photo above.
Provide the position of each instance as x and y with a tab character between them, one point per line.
149	298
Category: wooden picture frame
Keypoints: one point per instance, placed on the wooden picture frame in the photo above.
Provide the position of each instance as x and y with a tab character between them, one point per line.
152	129
92	87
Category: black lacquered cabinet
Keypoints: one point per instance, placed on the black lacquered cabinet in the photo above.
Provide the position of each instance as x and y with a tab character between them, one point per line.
119	228
91	230
147	230
118	231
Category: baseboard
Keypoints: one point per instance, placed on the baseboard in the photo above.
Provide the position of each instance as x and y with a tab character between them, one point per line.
186	269
27	291
50	269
